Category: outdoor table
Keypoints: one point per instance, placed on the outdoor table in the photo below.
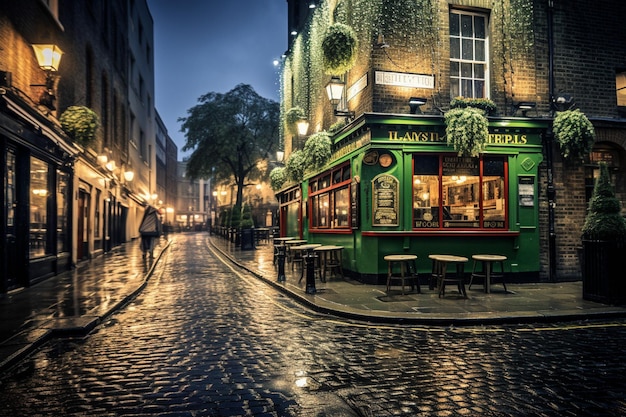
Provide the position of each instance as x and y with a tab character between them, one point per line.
305	250
292	242
330	259
441	266
407	263
279	241
262	234
487	271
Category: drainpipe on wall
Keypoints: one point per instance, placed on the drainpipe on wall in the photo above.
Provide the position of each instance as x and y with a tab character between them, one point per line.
549	141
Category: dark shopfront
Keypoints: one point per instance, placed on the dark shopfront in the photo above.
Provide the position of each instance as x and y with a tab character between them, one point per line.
394	186
36	196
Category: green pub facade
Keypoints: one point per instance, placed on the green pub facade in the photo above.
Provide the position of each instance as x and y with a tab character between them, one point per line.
394	185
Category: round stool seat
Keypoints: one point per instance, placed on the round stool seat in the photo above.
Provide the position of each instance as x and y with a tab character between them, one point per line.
487	273
489	258
400	258
408	270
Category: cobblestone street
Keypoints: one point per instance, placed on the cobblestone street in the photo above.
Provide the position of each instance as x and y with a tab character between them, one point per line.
206	339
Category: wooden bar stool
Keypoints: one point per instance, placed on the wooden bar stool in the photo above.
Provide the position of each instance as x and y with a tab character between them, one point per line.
408	270
435	273
487	273
441	271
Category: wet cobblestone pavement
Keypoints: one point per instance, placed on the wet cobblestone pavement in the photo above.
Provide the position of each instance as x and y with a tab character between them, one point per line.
206	339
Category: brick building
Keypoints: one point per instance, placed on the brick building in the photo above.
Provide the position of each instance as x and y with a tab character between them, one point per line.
518	197
64	199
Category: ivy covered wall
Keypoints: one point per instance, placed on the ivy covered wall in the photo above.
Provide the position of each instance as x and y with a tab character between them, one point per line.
409	36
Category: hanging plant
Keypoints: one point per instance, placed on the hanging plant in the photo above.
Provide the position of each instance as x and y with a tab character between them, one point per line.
336	127
339	47
317	150
574	133
484	104
296	164
80	123
467	129
292	117
278	176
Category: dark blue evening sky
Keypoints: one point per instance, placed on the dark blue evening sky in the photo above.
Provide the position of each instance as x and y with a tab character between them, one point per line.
201	46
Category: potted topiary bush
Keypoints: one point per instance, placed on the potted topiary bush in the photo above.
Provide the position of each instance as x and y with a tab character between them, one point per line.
80	123
339	47
317	150
603	239
247	228
575	135
467	129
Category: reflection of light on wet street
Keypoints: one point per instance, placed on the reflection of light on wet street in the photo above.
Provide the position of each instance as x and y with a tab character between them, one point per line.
301	382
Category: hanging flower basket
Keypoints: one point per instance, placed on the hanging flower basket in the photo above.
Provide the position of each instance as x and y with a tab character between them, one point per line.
292	117
484	104
80	123
467	129
317	150
278	176
339	48
575	135
296	165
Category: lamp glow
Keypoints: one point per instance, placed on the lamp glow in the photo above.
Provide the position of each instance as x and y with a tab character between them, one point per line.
48	56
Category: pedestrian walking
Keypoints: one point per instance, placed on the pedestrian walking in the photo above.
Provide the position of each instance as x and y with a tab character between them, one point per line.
149	229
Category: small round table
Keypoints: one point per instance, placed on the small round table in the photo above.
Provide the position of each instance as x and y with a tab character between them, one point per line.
330	260
441	266
487	270
408	270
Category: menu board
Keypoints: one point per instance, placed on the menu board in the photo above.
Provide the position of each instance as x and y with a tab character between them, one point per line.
354	203
385	193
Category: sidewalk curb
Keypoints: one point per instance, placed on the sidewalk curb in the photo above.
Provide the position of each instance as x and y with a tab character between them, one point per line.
439	321
26	342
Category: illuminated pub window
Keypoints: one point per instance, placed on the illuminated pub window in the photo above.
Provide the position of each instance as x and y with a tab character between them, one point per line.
452	192
329	197
38	244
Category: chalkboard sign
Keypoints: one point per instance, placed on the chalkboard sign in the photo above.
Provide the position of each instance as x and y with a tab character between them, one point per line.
385	195
354	203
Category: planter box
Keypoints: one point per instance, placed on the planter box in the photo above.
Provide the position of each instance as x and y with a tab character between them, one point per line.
247	239
603	271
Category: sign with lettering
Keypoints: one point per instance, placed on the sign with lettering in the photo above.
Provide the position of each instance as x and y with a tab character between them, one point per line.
357	87
460	165
402	79
354	202
526	191
385	194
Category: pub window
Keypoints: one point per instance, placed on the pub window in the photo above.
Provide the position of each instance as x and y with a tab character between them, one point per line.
452	192
620	87
602	152
330	199
96	218
39	192
469	71
63	198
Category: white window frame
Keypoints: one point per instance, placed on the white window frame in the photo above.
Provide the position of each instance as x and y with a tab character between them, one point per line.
458	80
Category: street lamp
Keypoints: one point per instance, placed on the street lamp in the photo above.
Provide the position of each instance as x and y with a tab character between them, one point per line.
48	58
334	90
